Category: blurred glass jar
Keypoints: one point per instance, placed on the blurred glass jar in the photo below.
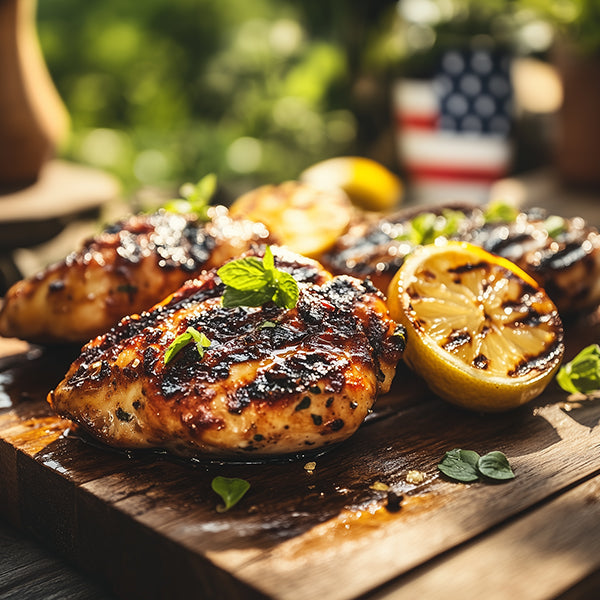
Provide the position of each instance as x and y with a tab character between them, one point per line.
453	130
453	98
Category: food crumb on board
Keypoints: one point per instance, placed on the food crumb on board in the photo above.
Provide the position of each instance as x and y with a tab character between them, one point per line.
379	486
393	501
415	477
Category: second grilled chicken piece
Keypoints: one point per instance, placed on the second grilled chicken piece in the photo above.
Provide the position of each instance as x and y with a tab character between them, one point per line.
562	255
127	268
272	380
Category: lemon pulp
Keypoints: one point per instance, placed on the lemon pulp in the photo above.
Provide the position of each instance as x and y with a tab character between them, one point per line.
481	332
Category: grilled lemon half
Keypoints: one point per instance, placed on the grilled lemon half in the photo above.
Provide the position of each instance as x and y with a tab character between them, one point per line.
305	219
480	331
369	184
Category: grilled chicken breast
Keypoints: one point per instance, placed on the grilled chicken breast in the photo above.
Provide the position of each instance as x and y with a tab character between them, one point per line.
272	381
563	259
127	268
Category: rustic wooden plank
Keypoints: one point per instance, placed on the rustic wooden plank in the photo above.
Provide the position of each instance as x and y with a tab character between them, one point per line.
147	496
62	191
28	571
296	534
369	550
13	346
123	549
538	556
583	590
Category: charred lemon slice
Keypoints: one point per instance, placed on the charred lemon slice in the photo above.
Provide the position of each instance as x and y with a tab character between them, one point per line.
369	184
305	219
480	331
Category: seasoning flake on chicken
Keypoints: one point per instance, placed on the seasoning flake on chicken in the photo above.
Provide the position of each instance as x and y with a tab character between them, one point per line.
127	268
271	381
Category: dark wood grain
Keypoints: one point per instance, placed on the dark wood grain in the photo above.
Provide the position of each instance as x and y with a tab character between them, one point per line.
147	525
28	571
557	546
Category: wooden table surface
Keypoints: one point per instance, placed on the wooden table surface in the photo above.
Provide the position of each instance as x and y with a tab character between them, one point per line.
147	526
144	526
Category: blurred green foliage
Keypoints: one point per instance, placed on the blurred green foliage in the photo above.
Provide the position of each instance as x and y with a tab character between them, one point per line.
426	28
163	91
413	42
577	21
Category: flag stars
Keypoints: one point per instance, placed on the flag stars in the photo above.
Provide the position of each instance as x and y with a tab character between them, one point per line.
453	63
481	62
470	85
484	106
457	105
474	92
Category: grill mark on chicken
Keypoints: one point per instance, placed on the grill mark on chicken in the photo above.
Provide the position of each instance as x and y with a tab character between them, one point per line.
127	268
308	381
566	265
509	245
565	258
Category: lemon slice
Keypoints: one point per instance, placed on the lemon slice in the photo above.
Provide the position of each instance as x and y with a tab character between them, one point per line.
369	184
305	219
480	331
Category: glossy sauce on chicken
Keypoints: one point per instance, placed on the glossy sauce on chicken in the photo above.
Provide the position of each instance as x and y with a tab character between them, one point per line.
127	268
565	262
273	381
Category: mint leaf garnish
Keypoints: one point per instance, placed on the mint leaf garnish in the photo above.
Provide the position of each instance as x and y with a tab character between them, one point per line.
460	465
500	211
194	198
233	297
495	466
427	227
286	294
555	225
244	274
254	282
420	229
231	490
190	335
582	374
467	466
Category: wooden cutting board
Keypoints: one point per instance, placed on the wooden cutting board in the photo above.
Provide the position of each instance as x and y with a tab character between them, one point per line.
147	525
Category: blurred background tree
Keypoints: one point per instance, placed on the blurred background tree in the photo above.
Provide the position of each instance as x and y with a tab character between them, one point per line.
163	91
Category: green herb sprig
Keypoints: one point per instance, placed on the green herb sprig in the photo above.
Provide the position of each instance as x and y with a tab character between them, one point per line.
555	225
194	199
251	281
467	466
582	374
427	227
231	490
189	336
500	211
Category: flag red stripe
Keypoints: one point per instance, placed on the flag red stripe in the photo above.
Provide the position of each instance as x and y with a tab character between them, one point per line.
455	173
415	121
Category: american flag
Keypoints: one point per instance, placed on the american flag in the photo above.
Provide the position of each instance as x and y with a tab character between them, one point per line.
455	127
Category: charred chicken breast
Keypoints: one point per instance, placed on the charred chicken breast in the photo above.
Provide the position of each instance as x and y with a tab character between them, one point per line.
270	381
127	268
562	255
